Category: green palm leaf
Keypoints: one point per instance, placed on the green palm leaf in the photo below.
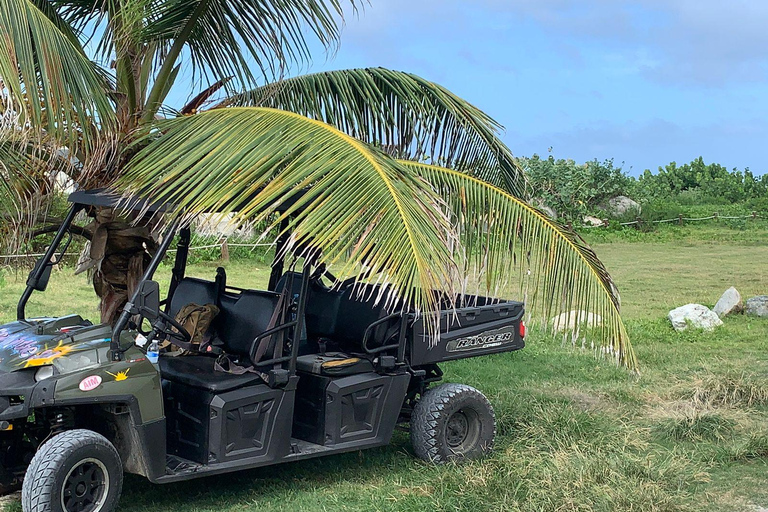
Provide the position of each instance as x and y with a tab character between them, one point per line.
361	208
227	38
506	241
405	114
15	173
50	83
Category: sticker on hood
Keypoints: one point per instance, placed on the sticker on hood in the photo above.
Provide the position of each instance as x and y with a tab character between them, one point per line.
89	383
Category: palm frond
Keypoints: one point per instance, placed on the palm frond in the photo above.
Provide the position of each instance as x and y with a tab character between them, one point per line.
402	113
47	81
508	242
360	207
16	168
225	37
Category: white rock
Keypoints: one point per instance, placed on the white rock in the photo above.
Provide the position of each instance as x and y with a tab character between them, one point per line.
694	315
574	319
593	221
731	302
217	224
549	211
758	306
621	205
541	205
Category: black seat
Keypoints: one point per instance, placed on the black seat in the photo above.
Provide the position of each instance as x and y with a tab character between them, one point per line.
192	290
344	315
198	372
242	317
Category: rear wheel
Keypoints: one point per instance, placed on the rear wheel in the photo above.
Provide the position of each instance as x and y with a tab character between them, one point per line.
76	471
452	421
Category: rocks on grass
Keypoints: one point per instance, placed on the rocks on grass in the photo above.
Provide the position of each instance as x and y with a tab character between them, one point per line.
593	221
622	205
694	315
730	303
758	306
574	320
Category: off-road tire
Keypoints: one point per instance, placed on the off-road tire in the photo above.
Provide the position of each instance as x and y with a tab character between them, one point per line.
434	433
44	482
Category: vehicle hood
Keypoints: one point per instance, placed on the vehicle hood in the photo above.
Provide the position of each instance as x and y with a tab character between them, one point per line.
41	341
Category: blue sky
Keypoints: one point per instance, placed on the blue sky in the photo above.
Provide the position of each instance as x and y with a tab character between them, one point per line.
644	83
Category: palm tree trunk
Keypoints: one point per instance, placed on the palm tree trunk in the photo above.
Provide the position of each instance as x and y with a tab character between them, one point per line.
119	252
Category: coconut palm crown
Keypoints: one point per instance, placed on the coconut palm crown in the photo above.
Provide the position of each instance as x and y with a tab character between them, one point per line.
404	177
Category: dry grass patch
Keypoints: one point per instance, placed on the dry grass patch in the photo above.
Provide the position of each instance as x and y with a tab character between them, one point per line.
728	390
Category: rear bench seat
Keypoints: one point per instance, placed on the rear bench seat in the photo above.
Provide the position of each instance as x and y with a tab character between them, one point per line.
242	317
341	316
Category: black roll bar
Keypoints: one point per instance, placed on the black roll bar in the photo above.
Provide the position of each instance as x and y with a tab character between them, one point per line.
400	335
297	325
44	261
279	263
180	263
303	296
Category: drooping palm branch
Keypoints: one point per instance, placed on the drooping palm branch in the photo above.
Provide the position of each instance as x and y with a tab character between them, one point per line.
47	81
406	115
16	162
511	244
400	219
361	208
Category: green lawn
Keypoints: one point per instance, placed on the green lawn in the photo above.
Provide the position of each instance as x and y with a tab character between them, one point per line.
691	433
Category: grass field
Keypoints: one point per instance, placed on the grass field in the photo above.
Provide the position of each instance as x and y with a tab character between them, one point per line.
574	434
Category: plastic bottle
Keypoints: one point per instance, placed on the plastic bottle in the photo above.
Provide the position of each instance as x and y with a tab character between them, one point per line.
153	352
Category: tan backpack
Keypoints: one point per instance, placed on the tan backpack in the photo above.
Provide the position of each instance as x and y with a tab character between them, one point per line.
196	320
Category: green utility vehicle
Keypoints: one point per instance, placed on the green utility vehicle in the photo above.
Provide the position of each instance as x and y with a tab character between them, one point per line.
323	367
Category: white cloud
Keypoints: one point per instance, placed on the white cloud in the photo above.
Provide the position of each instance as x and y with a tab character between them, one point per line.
702	42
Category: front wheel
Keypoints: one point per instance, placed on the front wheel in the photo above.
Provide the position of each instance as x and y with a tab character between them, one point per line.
75	471
452	421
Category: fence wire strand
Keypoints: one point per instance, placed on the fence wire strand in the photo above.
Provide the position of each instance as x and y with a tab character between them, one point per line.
604	224
679	219
200	247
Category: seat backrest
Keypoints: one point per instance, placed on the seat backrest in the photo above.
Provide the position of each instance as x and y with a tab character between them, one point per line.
343	315
244	316
358	308
193	290
322	305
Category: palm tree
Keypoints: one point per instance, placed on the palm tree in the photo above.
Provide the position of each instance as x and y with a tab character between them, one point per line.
351	137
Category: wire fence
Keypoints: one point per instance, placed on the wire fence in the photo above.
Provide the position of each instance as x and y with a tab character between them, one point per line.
224	245
604	223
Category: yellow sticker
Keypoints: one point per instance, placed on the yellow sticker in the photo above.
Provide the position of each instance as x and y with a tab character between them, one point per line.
48	355
121	375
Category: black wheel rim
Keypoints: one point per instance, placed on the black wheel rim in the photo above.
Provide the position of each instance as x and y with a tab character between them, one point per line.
86	486
462	431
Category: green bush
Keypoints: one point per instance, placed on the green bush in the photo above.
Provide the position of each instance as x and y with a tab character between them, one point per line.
572	189
693	190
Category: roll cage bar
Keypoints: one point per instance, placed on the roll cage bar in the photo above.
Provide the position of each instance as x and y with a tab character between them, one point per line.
82	199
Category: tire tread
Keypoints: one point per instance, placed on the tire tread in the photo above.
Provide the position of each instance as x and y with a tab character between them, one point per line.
37	488
427	414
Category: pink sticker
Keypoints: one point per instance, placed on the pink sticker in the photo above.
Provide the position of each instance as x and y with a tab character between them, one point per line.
90	383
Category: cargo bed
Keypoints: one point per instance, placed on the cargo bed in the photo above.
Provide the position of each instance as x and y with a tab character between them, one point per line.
488	326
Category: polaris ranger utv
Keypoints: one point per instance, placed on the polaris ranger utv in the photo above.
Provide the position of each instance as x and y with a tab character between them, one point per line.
327	369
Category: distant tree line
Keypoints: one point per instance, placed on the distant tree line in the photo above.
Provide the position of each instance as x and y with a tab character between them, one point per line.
574	190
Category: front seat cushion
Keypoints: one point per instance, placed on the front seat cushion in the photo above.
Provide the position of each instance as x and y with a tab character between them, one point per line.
199	372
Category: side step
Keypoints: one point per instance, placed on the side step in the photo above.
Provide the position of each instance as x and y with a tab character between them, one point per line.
176	465
178	468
